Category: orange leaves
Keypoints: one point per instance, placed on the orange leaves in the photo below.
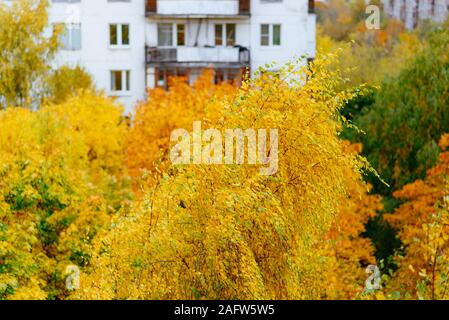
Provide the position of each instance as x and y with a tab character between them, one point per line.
444	141
148	139
350	250
422	223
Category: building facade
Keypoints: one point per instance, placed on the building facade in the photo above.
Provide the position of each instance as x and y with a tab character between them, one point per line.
412	11
131	45
185	36
107	38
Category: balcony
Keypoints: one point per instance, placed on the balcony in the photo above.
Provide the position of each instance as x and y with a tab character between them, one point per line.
198	8
198	56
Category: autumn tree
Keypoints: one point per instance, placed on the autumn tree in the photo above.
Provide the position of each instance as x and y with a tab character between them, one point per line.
61	177
380	59
26	52
66	82
408	117
27	77
148	139
341	19
422	221
346	246
226	231
338	18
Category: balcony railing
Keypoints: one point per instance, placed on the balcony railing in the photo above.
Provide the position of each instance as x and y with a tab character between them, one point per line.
158	55
198	7
205	55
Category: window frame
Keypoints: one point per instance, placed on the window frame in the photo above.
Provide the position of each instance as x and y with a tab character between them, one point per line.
119	35
224	39
67	29
125	82
174	33
270	36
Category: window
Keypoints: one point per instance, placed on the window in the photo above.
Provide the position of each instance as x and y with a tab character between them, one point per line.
70	36
265	35
119	35
311	6
276	35
225	31
228	75
113	35
170	34
270	35
120	81
180	34
165	34
433	7
218	34
230	35
160	79
125	34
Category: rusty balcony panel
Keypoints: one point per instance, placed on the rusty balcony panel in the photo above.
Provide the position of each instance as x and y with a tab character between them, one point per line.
151	6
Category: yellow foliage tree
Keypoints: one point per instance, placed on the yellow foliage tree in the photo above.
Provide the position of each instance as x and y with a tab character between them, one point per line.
351	252
227	232
60	177
370	61
26	52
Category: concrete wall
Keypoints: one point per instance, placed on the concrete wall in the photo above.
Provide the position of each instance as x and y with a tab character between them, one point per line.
297	30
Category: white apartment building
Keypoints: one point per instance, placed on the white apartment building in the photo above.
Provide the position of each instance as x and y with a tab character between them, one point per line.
107	38
185	36
131	45
412	11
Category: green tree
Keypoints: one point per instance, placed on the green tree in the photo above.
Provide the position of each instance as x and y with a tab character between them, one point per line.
409	116
66	81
